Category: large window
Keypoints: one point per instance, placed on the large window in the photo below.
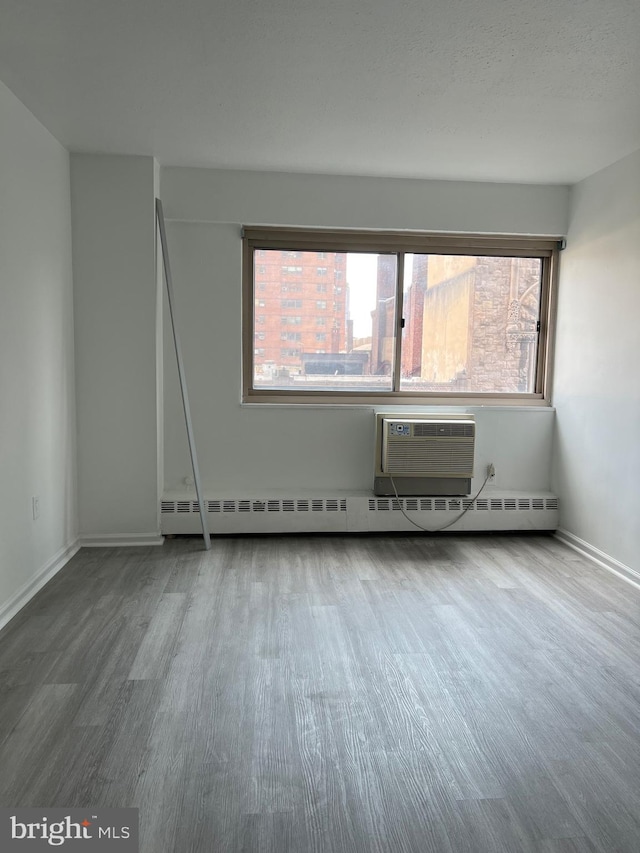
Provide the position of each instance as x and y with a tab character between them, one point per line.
413	317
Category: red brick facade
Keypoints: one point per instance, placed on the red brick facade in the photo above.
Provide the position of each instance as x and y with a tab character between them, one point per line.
300	308
470	323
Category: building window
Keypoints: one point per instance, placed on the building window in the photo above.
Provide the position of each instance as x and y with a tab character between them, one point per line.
321	288
418	318
321	271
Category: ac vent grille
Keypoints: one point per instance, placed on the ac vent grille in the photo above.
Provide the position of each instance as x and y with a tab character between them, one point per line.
443	430
426	448
440	460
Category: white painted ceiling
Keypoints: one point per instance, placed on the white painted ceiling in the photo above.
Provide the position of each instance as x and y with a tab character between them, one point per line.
513	90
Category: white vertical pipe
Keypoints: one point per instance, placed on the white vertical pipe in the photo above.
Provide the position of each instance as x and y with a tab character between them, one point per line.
183	381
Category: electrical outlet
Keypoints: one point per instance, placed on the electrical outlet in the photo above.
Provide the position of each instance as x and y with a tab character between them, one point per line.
491	472
35	506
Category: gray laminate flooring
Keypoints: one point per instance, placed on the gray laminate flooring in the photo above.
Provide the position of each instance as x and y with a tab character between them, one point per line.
333	694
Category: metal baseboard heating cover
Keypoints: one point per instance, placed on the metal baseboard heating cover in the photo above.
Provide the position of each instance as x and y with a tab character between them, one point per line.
359	513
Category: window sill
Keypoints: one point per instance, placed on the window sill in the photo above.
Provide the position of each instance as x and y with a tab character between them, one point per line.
275	398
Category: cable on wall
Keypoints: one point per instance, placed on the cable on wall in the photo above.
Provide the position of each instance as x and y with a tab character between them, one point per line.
449	523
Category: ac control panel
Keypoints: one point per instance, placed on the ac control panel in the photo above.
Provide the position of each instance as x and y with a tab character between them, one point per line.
400	429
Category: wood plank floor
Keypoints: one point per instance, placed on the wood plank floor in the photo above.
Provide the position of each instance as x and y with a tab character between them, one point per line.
452	694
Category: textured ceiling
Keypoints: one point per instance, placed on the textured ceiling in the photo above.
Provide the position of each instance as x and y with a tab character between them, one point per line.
524	90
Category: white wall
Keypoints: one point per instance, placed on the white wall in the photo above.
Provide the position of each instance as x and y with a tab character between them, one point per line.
270	198
259	449
37	417
596	385
115	294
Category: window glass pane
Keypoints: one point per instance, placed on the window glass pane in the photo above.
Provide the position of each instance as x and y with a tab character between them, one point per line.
329	336
470	323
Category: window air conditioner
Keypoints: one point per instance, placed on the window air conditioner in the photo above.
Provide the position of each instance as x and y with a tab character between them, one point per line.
424	455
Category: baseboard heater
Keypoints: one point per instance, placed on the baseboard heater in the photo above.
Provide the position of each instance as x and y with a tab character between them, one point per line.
360	513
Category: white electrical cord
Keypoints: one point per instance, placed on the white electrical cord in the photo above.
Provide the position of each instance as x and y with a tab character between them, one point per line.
444	526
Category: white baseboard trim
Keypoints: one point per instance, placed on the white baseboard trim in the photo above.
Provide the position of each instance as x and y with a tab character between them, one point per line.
119	540
597	556
22	597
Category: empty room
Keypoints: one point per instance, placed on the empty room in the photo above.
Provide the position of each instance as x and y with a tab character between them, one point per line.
320	409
